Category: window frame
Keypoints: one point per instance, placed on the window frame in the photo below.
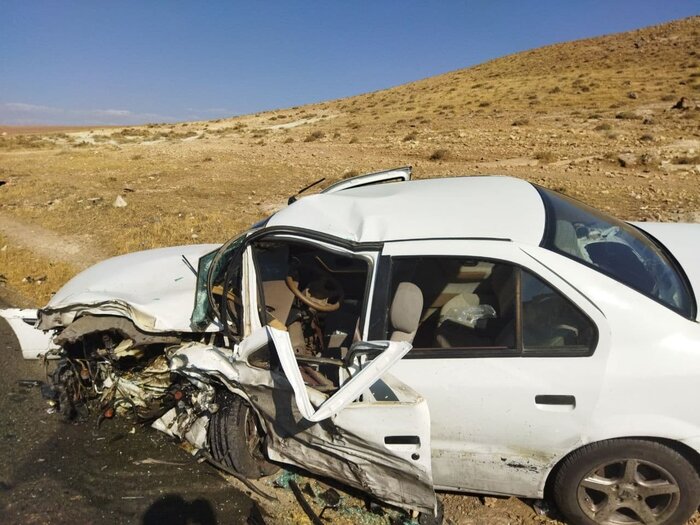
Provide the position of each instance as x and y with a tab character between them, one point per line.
381	302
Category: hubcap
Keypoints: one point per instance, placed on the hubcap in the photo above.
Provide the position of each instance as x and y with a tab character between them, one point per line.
627	492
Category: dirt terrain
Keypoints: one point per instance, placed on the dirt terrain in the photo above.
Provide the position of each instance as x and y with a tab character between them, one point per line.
613	121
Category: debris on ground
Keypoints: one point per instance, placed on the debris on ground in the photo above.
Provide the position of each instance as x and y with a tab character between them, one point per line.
120	202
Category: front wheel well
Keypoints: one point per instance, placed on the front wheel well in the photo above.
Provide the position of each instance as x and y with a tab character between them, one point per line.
689	453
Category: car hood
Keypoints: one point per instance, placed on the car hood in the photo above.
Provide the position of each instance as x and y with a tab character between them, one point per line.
153	288
683	241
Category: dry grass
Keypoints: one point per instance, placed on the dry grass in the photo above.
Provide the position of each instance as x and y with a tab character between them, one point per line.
206	181
33	277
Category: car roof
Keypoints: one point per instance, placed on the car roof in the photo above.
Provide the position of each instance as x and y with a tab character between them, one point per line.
489	207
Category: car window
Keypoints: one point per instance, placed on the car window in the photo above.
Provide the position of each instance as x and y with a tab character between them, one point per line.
615	248
445	302
551	321
483	306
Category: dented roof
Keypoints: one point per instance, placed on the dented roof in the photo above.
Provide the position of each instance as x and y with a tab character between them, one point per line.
458	207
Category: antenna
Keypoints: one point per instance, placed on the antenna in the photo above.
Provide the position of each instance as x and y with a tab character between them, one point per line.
293	198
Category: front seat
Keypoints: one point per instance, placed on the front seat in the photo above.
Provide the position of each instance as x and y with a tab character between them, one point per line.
405	311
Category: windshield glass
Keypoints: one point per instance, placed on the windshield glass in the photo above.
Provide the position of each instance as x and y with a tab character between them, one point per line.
209	278
615	248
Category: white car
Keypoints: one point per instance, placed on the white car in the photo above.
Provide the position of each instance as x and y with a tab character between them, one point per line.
477	334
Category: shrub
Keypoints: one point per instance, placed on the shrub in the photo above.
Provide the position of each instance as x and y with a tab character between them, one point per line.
311	137
439	154
687	160
627	115
545	156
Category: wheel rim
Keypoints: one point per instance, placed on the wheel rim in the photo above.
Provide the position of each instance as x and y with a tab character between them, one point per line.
253	434
628	491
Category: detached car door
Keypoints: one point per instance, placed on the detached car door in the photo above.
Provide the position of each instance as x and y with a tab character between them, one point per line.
509	356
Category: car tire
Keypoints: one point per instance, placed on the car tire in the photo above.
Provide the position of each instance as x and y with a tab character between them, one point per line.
627	481
235	438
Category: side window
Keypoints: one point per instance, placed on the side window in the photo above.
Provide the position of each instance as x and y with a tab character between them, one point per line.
482	306
446	302
550	321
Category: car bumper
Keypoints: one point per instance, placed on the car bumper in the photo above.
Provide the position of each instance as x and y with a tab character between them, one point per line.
33	343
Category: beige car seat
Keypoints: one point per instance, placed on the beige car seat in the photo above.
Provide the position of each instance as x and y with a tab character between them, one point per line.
405	311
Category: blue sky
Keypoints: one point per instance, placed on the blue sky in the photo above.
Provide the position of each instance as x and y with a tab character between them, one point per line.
93	62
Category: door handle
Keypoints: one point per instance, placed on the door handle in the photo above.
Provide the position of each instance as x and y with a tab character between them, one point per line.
556	400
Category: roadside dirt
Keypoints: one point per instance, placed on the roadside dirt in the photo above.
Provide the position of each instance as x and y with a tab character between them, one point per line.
78	251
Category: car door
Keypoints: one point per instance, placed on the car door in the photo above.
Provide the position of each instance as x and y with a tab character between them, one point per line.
379	177
378	443
372	432
502	413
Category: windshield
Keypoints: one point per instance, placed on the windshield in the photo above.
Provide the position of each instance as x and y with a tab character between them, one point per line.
210	275
615	248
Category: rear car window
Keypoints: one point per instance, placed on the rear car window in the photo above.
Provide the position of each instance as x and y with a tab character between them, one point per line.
614	248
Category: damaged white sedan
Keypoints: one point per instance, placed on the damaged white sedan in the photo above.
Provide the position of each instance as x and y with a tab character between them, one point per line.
476	334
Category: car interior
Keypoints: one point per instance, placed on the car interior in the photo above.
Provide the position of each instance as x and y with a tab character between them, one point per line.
471	304
465	303
317	296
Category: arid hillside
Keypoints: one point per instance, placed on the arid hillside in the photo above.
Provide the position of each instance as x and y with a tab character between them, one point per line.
613	121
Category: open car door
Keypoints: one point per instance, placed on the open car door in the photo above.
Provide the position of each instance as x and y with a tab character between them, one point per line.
379	177
372	433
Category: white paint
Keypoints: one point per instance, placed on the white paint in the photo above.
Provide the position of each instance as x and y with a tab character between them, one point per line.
33	343
488	434
460	207
350	391
153	288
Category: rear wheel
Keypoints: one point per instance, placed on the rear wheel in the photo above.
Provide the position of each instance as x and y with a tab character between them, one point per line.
627	482
236	437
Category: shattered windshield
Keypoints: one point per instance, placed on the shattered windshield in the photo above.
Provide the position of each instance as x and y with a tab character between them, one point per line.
210	272
614	248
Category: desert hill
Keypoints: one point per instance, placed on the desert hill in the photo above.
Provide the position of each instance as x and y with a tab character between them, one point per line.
594	118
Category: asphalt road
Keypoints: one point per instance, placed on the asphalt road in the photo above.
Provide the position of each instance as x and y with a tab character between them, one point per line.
54	472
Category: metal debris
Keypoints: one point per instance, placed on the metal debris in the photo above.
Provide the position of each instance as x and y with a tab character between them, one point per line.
304	504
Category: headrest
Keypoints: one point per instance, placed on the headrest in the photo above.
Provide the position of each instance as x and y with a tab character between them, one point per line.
406	307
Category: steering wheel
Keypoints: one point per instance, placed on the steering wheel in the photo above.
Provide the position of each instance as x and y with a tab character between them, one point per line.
323	292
